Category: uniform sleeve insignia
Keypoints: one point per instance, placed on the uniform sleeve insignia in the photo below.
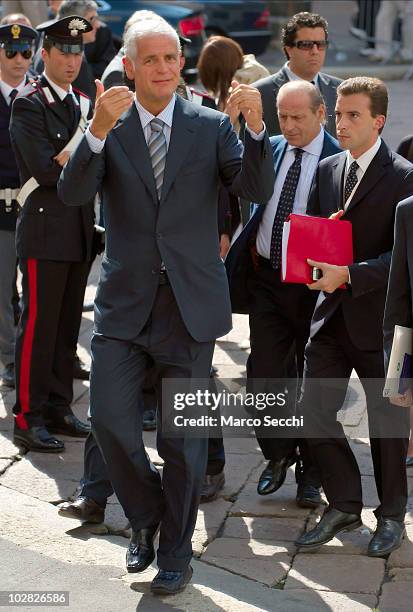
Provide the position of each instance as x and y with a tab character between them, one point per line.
75	25
15	30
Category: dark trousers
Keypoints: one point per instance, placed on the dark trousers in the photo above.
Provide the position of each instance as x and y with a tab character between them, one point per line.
117	375
280	316
332	355
47	336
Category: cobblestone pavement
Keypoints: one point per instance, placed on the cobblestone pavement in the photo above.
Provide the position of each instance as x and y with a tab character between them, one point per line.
244	553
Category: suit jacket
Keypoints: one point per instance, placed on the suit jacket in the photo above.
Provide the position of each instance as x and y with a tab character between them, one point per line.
238	262
399	300
269	87
180	231
388	179
46	229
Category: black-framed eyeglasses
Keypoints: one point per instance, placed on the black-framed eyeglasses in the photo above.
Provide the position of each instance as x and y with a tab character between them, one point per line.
307	45
26	53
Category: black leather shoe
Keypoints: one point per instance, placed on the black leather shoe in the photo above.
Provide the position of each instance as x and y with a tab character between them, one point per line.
37	439
332	523
211	487
83	509
272	478
149	420
308	496
409	461
8	377
68	425
141	551
388	536
80	371
168	583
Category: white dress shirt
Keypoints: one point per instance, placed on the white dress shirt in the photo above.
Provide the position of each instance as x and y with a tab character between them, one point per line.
364	162
294	77
7	89
309	162
61	93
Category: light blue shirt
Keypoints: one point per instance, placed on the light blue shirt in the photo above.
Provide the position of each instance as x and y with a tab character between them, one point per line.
309	162
294	77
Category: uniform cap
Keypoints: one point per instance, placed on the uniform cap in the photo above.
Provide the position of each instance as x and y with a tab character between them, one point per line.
17	37
66	33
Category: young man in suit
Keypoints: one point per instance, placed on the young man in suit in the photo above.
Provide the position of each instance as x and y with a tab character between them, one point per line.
54	244
163	292
305	41
16	49
362	185
280	313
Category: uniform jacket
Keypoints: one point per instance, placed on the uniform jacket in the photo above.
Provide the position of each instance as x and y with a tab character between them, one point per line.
238	262
46	228
269	87
9	172
180	231
388	179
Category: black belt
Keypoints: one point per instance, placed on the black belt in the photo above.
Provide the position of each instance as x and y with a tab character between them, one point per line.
163	278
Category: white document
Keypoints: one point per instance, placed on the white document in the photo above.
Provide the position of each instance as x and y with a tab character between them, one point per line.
284	247
400	360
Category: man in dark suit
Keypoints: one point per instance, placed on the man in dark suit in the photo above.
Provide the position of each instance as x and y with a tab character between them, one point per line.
53	244
163	292
16	49
280	313
305	41
362	185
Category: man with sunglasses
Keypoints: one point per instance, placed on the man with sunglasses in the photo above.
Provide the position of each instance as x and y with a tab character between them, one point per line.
305	41
53	242
16	46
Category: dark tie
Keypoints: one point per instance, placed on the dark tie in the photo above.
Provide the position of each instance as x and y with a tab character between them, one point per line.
285	207
157	152
71	112
351	180
13	94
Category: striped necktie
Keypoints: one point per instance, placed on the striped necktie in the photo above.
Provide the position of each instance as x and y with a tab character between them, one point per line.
157	152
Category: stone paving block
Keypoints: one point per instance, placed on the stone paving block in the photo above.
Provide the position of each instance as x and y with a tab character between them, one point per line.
60	538
210	518
7	448
370	498
262	528
47	477
403	557
238	467
239	329
340	573
282	503
396	597
289	480
327	601
4	464
346	543
242	446
363	454
266	562
7	401
401	574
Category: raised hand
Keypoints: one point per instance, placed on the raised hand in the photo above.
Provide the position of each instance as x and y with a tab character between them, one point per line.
247	100
109	106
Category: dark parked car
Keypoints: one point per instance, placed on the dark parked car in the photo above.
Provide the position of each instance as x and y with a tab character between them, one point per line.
186	17
245	22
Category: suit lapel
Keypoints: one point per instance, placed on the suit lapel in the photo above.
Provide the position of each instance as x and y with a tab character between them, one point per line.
374	173
183	134
131	138
338	173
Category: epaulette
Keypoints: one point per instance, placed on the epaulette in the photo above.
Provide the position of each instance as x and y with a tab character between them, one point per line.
30	88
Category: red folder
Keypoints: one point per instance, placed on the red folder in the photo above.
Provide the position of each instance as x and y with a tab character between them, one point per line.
324	240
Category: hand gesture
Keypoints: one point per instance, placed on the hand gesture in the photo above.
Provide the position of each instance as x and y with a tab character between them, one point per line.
246	99
333	276
109	106
404	399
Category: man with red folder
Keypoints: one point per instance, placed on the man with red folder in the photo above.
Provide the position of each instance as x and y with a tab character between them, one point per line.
279	313
363	185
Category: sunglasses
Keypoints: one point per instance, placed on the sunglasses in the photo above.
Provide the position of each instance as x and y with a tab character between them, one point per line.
27	53
307	45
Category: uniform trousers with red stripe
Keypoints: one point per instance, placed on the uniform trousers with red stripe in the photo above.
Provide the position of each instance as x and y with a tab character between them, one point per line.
53	293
